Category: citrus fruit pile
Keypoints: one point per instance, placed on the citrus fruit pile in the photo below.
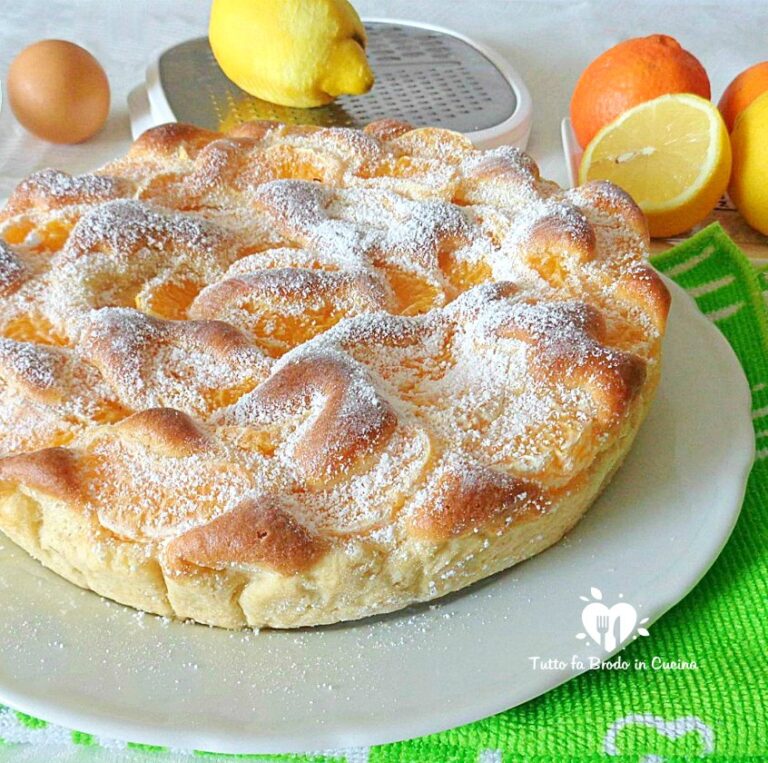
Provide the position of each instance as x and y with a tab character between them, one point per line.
643	114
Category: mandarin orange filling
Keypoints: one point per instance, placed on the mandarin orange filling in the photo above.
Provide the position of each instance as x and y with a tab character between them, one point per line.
170	300
59	439
17	232
414	295
51	236
463	275
220	398
623	334
412	386
549	267
289	163
111	292
403	166
257	440
275	334
110	412
33	328
160	185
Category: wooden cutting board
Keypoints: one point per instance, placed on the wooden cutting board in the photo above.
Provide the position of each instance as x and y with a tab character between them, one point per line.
754	244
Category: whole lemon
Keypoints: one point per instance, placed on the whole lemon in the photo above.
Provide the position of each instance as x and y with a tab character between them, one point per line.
291	52
749	185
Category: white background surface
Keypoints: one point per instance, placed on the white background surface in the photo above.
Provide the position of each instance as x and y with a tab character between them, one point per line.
548	42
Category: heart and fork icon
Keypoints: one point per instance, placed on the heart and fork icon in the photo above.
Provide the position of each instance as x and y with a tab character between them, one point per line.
609	627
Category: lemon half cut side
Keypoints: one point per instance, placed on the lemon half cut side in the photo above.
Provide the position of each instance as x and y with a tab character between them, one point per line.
671	154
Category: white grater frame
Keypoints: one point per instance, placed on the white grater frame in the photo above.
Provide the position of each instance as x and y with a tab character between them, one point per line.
148	105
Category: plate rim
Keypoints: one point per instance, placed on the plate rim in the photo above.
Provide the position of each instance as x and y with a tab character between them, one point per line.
107	726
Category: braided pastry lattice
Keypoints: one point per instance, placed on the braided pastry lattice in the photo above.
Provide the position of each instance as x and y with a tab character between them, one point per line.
291	375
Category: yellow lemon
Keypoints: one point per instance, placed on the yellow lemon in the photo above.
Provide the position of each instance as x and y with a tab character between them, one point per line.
749	184
671	154
291	52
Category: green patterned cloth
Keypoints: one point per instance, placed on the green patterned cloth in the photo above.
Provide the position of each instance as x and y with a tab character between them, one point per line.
719	712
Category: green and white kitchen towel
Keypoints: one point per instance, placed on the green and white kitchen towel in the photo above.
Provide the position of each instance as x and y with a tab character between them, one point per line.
718	712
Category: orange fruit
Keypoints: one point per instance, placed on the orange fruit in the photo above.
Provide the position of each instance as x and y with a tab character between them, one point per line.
630	73
742	91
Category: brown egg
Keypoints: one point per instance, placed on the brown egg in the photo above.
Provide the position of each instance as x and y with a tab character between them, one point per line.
58	91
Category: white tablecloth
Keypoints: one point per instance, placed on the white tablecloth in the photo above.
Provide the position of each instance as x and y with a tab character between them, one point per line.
549	42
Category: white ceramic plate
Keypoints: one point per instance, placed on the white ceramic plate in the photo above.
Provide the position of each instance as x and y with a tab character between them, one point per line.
571	150
70	657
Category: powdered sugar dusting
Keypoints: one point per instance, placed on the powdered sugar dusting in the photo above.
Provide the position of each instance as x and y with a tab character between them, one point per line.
11	268
33	364
58	187
153	363
49	396
432	282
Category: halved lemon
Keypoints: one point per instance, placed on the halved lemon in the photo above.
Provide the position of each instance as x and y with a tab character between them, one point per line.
671	154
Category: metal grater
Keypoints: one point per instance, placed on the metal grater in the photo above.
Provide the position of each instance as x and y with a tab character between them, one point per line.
424	75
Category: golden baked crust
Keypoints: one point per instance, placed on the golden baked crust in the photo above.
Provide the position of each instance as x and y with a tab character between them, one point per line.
290	375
